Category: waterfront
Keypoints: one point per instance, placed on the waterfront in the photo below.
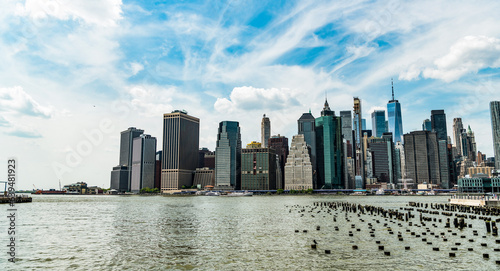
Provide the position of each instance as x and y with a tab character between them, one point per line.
227	233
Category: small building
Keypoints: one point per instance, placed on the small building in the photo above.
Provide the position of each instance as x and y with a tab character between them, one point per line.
76	188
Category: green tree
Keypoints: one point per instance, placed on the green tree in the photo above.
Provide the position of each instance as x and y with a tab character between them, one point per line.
279	191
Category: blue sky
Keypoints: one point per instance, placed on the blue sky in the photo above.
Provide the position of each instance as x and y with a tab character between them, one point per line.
76	73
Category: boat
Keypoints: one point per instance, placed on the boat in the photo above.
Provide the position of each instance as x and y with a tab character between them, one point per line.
50	192
212	193
240	194
380	192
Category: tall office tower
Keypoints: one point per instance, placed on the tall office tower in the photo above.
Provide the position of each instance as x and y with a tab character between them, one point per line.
280	145
395	118
438	121
358	141
402	165
298	167
306	127
457	134
120	176
382	152
143	163
228	156
363	124
329	150
495	128
346	117
265	130
471	145
378	123
422	157
181	134
258	169
444	165
427	125
201	157
158	156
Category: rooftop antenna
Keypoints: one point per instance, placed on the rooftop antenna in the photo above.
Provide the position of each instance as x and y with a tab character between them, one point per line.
392	85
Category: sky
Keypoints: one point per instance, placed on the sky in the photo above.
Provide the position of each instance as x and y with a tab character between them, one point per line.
74	74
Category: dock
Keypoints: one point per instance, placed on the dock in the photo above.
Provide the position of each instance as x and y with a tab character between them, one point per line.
19	199
475	200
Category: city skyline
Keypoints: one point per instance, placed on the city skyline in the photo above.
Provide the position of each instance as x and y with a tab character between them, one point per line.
72	78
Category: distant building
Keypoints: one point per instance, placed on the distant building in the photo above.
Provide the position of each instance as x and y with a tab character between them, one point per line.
359	155
298	168
181	133
122	171
438	122
76	188
254	145
495	127
258	169
378	123
201	156
306	127
158	157
280	144
143	163
346	117
383	162
265	130
228	156
363	124
427	125
329	150
457	134
395	118
474	171
204	177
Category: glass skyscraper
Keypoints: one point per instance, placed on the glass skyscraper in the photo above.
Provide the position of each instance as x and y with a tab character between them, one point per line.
395	119
495	127
228	156
329	150
426	125
438	122
120	176
378	123
307	128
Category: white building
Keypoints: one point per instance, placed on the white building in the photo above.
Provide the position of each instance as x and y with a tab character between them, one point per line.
298	167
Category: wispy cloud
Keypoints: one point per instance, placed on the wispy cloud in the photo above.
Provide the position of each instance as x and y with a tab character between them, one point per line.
16	100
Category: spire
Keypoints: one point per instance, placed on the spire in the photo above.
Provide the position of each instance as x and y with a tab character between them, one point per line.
392	85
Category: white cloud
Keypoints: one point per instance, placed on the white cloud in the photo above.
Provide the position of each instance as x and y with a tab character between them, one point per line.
251	98
96	12
135	67
16	100
468	55
22	131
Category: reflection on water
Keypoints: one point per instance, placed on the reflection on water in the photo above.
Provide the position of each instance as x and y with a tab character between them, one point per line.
225	233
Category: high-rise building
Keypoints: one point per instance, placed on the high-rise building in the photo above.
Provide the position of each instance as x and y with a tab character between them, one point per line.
382	153
158	156
359	157
378	123
265	130
258	169
306	127
495	128
471	145
395	118
181	134
457	134
228	156
298	168
346	117
121	172
444	165
329	150
422	158
427	125
363	124
280	145
438	122
143	163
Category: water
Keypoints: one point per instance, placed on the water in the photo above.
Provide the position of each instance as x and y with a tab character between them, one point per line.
70	232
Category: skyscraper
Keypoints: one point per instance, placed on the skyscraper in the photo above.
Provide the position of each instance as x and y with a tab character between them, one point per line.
298	168
181	133
228	156
422	158
382	151
330	155
495	128
265	131
258	169
143	163
306	127
438	122
120	176
426	125
457	134
359	156
395	118
280	145
378	123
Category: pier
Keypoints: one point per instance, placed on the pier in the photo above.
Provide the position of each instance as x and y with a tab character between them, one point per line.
19	199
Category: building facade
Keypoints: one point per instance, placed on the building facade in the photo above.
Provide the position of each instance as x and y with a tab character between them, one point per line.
143	163
258	169
438	122
427	125
181	133
307	128
329	150
204	177
280	144
298	168
378	123
395	118
228	156
123	170
457	134
265	131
